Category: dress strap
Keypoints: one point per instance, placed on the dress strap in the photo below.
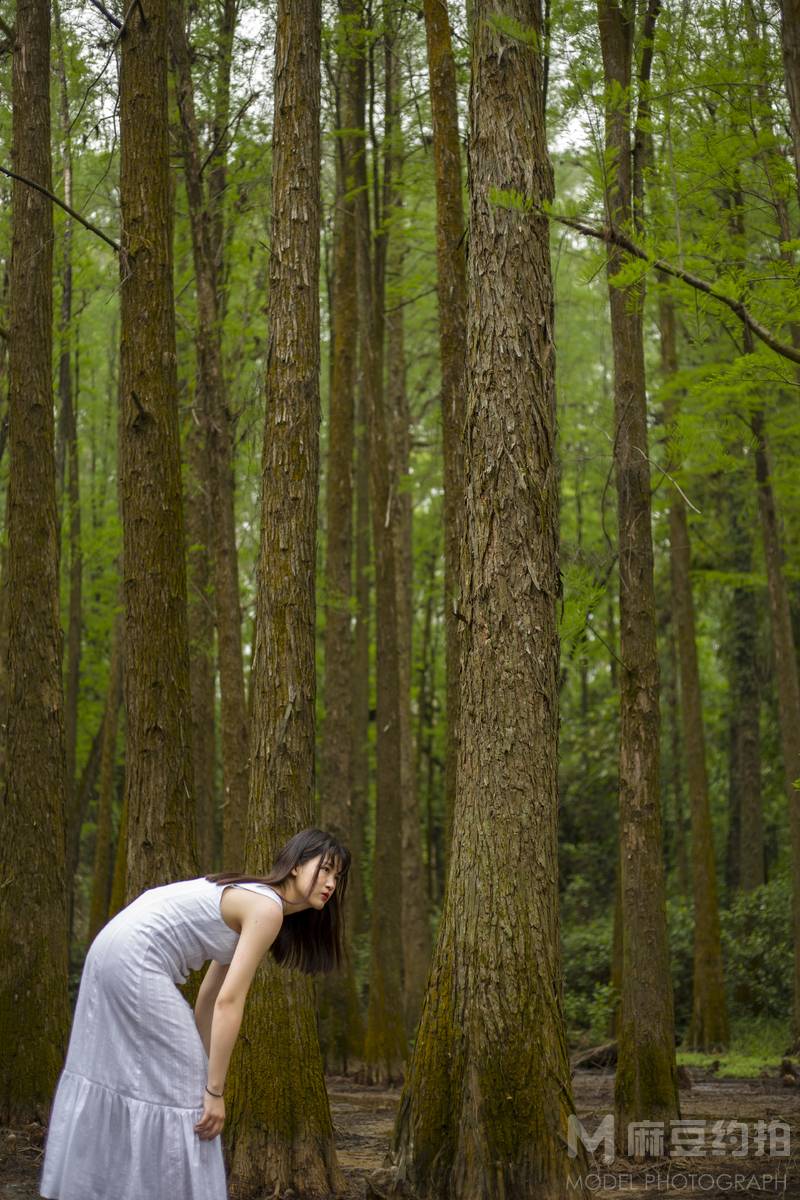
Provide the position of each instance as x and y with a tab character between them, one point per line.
263	888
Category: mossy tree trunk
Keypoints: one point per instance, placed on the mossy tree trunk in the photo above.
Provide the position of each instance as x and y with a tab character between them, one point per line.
281	1133
708	1029
342	1033
158	773
485	1107
34	1009
646	1084
451	284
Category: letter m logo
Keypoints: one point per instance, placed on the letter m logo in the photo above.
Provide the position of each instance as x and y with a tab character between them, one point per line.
603	1134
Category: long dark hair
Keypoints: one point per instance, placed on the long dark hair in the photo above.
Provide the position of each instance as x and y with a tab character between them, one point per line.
311	940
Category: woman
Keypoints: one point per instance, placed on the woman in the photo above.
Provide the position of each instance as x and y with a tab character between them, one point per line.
139	1105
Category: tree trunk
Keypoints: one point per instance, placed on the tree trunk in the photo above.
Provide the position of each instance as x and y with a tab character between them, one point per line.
646	1084
790	43
282	1137
211	385
708	1029
34	1009
485	1107
361	652
101	875
744	690
452	295
200	614
340	1020
670	689
70	433
158	775
788	684
385	1043
415	922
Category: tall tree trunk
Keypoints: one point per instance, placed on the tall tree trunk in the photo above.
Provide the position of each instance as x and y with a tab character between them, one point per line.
68	405
415	922
788	684
744	690
385	1043
708	1029
452	294
34	1009
101	875
218	163
158	774
485	1107
340	1019
283	1137
200	614
646	1084
790	44
361	651
211	384
670	689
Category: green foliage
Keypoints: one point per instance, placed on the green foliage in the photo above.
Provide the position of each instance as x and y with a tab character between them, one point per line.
757	942
514	30
586	959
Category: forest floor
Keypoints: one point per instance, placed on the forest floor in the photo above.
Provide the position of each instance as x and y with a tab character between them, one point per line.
363	1118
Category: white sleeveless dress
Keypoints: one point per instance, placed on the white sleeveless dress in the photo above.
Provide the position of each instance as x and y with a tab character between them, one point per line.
122	1120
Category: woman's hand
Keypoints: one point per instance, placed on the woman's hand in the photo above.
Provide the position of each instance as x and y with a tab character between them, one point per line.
213	1118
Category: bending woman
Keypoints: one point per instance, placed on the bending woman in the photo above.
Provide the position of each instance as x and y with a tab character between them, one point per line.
140	1103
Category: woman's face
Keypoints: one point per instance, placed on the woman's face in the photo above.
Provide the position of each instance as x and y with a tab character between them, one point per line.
325	883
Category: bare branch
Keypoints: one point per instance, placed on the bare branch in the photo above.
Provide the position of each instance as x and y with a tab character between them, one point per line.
615	236
77	216
115	21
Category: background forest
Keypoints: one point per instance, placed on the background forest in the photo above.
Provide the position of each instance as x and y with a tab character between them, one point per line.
716	145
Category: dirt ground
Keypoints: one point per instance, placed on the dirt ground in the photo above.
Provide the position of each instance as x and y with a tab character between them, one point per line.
363	1118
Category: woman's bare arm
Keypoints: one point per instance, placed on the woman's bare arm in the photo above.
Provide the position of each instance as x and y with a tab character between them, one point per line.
206	998
259	929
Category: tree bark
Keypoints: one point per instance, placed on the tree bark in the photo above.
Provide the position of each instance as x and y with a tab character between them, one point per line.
646	1083
101	874
788	683
361	652
708	1029
451	283
69	431
744	689
158	775
790	44
34	1009
385	1043
415	921
211	385
282	1137
485	1106
341	1027
200	617
670	691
